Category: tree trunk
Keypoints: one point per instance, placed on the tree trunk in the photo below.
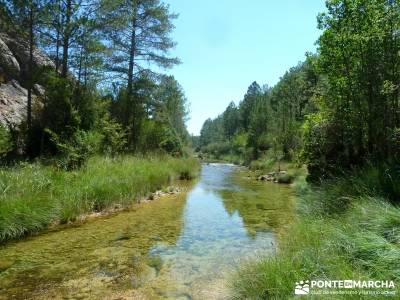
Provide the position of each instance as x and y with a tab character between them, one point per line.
132	53
86	71
30	66
80	67
67	33
58	36
130	110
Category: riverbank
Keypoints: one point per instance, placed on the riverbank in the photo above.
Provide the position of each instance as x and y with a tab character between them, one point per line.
265	169
33	196
346	229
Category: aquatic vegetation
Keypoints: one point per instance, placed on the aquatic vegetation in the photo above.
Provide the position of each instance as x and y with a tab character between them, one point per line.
260	205
102	256
32	196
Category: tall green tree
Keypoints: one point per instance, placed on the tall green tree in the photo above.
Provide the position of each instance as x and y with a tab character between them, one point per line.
231	120
359	56
138	32
247	105
171	106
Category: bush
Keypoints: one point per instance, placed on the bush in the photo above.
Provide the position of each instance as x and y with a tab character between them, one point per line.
322	150
159	137
171	143
5	141
285	178
75	152
113	140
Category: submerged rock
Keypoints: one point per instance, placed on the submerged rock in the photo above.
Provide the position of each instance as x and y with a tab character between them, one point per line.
276	177
266	177
4	265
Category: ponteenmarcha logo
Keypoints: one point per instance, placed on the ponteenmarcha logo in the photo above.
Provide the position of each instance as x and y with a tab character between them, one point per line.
302	288
342	287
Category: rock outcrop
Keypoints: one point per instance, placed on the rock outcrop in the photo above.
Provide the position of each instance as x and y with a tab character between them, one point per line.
13	99
20	50
14	60
8	63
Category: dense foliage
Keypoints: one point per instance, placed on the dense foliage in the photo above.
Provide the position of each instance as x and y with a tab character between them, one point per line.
103	95
266	118
337	110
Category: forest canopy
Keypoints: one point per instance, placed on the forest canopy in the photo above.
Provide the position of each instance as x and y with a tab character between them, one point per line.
104	91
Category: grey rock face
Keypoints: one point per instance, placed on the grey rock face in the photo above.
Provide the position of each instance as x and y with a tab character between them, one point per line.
14	61
20	50
8	62
13	100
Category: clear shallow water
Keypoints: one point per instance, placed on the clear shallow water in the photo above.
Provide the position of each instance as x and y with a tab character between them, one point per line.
179	247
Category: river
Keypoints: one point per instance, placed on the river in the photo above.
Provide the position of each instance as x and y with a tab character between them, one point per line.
181	246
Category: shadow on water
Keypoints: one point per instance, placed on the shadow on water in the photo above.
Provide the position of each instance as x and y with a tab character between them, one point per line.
176	247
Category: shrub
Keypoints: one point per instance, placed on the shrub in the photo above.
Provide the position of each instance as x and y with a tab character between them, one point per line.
285	178
113	140
75	152
5	141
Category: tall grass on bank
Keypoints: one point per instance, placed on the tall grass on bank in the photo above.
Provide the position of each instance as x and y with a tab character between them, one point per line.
32	195
346	230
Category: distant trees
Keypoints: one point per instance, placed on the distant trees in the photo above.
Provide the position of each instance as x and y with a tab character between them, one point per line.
266	119
231	120
247	106
338	109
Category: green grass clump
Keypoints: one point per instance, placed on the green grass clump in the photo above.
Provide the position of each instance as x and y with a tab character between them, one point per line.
32	195
343	232
285	178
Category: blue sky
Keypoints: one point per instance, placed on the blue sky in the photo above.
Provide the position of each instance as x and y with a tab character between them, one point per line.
225	45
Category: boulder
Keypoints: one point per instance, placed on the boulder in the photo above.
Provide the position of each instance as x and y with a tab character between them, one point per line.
8	63
276	177
14	62
266	177
39	90
20	50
